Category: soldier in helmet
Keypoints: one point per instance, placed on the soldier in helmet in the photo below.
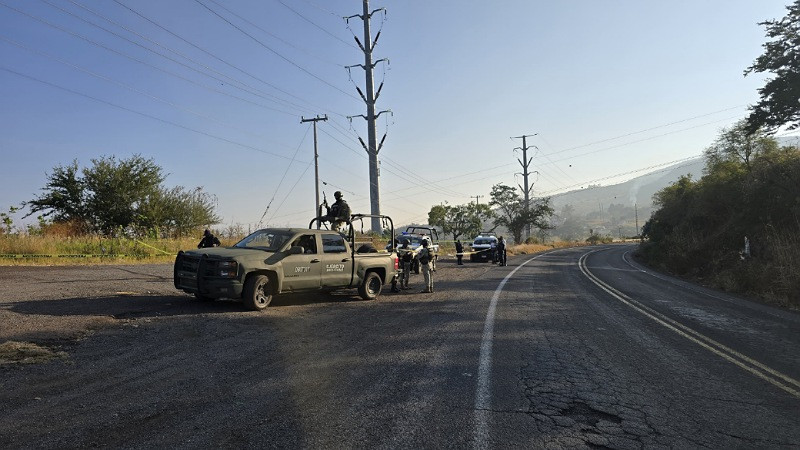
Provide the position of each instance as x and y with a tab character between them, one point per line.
209	240
339	212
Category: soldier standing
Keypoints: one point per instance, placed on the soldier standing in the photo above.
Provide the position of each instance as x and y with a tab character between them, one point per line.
209	240
339	212
501	251
406	255
425	256
459	252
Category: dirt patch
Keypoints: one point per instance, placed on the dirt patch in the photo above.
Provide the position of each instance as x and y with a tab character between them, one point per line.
43	328
14	352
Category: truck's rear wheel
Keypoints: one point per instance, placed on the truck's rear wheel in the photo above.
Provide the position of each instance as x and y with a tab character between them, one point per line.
256	293
371	287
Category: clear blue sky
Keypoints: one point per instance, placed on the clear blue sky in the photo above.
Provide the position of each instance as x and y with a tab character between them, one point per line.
611	87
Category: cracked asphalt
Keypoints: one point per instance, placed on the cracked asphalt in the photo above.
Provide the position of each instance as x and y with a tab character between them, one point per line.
645	362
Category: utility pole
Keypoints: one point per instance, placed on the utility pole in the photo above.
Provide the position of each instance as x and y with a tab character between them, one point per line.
476	197
316	160
525	173
370	98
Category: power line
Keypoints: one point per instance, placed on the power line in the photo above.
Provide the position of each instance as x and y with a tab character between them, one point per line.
126	86
646	130
349	44
690	158
142	114
144	63
646	139
256	40
280	183
237	68
274	36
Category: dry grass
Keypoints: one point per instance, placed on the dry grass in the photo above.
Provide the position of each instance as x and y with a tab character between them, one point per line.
14	352
58	250
528	249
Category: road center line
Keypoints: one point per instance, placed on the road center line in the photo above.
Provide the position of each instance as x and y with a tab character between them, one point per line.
756	368
483	396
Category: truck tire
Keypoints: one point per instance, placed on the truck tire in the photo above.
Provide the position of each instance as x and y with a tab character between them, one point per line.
371	287
256	293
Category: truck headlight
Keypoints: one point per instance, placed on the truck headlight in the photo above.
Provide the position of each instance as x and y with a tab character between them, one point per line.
227	269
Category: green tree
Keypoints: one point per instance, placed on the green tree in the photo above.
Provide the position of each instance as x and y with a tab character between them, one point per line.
177	211
747	190
8	221
116	190
738	145
460	220
116	194
780	96
64	197
510	211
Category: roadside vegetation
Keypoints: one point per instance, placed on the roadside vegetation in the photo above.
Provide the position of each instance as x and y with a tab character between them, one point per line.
738	227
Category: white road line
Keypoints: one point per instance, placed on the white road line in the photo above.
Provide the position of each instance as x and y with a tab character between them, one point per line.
483	396
756	368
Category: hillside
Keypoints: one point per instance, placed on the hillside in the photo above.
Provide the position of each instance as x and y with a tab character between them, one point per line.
636	192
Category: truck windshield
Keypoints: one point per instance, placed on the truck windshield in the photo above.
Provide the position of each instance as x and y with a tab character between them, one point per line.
412	240
268	240
480	241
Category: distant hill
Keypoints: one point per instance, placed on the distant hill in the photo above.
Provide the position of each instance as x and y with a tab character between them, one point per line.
636	192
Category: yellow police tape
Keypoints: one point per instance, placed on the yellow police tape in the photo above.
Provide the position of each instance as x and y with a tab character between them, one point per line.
23	255
80	255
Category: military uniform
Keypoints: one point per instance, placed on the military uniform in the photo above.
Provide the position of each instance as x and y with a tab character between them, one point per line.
425	257
339	212
406	256
209	240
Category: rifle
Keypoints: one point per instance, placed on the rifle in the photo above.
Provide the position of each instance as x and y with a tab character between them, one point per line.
324	204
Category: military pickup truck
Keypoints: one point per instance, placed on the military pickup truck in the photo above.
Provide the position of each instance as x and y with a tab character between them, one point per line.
415	235
273	261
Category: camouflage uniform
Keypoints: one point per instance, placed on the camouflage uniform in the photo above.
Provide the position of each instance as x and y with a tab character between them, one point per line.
406	255
339	212
425	257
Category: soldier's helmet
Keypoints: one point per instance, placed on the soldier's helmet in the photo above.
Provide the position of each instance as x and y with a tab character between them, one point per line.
337	194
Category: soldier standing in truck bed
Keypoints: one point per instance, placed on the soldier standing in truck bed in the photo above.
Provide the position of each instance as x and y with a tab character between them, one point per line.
339	212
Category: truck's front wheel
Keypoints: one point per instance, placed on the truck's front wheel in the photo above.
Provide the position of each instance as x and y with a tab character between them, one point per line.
371	287
256	293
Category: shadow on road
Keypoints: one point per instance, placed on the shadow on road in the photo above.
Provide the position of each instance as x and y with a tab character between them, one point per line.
136	306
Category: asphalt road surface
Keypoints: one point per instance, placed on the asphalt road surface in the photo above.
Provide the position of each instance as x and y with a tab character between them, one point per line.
577	348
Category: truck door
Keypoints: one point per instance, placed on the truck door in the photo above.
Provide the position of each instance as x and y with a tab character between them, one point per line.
302	271
337	262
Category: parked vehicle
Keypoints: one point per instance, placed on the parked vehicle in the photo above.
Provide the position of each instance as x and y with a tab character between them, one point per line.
414	235
273	261
483	247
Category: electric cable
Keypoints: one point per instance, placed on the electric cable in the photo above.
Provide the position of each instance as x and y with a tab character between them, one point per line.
175	124
306	71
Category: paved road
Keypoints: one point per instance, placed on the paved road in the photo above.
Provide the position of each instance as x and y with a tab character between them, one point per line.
579	348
